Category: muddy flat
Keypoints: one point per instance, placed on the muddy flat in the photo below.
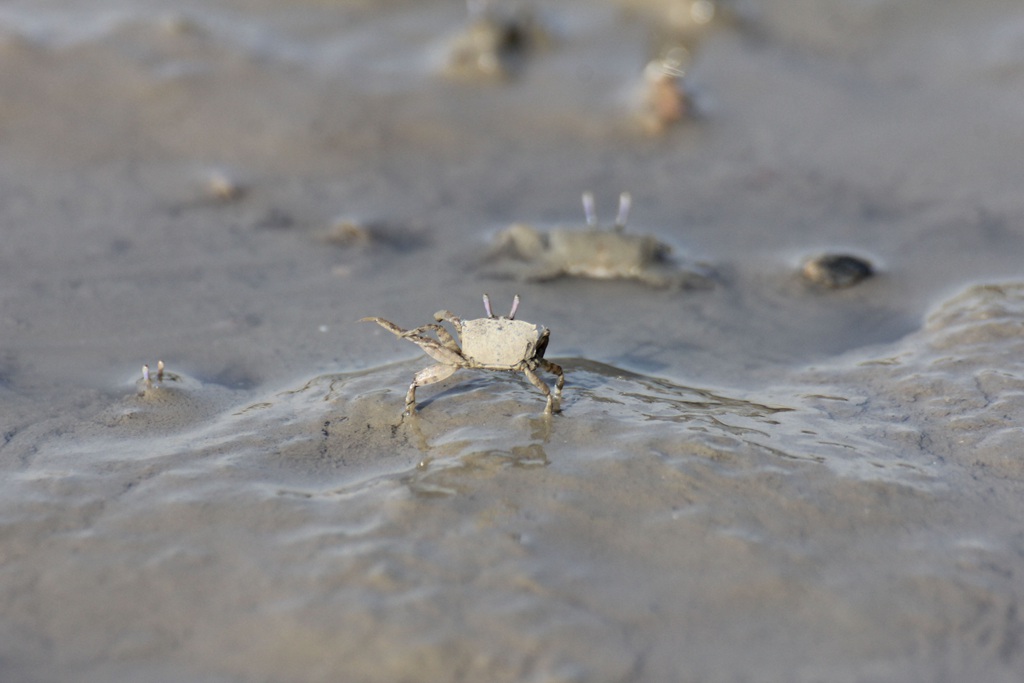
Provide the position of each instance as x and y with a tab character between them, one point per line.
758	479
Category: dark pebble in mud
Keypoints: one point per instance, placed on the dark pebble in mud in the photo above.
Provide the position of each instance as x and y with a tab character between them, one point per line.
836	271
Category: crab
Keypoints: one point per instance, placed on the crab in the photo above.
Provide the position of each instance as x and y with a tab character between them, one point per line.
491	343
594	252
152	383
664	99
494	43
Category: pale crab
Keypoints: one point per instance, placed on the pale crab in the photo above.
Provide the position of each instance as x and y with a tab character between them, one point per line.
664	99
491	343
593	252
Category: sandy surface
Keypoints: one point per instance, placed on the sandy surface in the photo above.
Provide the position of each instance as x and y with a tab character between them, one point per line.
757	481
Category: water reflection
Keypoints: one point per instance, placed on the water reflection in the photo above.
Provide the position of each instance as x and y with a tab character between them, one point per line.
346	428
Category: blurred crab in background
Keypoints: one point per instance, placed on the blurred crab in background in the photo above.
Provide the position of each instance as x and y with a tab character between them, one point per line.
591	252
494	43
663	99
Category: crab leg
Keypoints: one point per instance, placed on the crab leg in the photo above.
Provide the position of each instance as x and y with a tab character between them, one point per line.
555	369
416	335
428	375
536	381
386	324
443	335
448	316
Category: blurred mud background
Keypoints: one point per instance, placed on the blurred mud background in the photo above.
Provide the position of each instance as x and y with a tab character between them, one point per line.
758	480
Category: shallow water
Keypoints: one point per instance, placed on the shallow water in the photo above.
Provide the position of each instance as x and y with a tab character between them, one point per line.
756	481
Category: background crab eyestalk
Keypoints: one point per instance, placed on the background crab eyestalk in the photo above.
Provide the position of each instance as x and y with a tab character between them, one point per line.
588	209
625	203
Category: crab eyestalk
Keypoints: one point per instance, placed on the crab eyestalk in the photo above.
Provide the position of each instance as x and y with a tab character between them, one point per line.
511	314
588	209
515	307
625	202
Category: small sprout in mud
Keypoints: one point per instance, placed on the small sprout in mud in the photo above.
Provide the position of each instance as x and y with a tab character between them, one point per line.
491	343
592	252
664	99
223	187
494	43
836	271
